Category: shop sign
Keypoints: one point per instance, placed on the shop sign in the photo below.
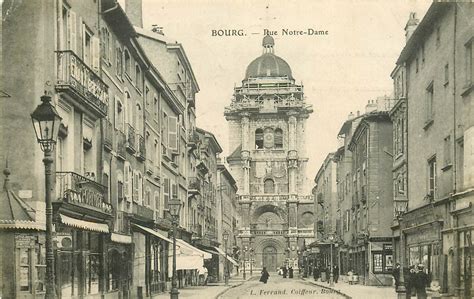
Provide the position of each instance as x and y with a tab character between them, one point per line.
88	197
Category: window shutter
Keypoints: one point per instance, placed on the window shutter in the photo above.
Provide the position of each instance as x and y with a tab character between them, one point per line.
72	31
81	35
166	192
126	186
140	188
175	191
173	133
95	53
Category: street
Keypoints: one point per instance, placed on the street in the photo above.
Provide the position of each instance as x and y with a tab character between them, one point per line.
278	287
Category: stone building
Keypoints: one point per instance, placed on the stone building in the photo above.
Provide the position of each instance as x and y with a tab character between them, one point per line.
267	118
326	211
436	227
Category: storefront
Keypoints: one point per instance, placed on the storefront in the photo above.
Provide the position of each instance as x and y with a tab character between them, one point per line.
22	248
381	252
119	266
188	260
150	260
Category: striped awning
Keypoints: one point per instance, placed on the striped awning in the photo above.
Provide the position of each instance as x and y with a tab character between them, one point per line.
119	238
152	232
230	259
85	225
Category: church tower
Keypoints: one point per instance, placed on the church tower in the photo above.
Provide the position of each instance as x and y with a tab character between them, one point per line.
267	118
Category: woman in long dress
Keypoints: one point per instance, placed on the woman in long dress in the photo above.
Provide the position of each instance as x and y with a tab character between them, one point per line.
265	275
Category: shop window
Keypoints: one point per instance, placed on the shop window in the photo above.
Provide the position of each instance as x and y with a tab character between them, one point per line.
25	275
258	139
382	261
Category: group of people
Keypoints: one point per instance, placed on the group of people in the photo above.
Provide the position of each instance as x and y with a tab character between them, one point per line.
415	279
285	271
319	270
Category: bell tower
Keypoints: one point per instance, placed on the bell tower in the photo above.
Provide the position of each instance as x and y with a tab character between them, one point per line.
267	119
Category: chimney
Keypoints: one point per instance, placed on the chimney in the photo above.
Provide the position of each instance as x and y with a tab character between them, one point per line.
350	116
411	25
358	113
371	106
133	8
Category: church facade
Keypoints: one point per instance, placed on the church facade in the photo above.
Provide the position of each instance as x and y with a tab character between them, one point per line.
267	118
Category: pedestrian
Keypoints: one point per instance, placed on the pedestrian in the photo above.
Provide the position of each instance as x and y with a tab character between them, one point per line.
396	275
290	272
328	274
265	275
421	282
336	273
316	273
350	276
409	274
285	271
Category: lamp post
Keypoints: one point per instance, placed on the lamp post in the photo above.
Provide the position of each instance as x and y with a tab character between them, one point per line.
251	262
245	250
174	207
46	121
331	274
225	236
401	289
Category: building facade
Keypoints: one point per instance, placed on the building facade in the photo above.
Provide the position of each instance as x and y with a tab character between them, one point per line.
267	127
435	230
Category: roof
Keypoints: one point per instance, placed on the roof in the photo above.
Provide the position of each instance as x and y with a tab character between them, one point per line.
14	212
374	116
268	64
216	146
426	26
329	158
236	154
226	173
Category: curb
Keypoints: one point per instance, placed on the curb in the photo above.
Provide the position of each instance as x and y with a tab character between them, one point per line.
231	287
328	288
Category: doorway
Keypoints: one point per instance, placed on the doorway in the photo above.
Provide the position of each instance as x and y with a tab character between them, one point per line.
269	258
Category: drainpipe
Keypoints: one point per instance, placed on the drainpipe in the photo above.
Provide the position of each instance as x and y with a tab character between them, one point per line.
456	266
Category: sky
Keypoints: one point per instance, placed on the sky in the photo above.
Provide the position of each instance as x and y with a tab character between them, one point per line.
340	71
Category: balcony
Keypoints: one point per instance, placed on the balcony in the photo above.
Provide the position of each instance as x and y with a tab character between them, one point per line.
193	140
268	232
108	136
142	213
121	145
141	148
81	83
194	186
269	197
131	139
82	194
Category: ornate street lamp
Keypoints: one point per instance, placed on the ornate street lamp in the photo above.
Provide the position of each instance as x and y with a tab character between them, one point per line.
225	236
331	275
174	207
46	121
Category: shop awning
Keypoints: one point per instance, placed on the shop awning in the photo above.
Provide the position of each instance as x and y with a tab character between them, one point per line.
191	250
153	232
119	238
85	225
230	259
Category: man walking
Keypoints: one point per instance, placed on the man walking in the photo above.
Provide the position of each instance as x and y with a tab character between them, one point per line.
421	282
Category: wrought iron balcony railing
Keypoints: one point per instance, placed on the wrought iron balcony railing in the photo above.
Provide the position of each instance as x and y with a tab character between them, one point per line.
81	191
142	212
76	78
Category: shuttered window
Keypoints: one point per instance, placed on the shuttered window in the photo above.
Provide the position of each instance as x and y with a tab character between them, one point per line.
258	139
172	133
166	192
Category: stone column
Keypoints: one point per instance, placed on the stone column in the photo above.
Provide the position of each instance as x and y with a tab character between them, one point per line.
245	153
292	154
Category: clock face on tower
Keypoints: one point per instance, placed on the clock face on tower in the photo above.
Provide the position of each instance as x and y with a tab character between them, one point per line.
268	138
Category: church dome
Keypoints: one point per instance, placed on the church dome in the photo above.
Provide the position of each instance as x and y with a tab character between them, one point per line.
268	65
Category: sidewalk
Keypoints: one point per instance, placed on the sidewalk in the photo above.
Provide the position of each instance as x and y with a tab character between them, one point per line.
212	290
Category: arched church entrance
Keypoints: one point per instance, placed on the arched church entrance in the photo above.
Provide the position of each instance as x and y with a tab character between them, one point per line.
269	258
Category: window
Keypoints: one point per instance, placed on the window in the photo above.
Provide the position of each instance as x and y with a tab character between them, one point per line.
69	30
156	152
120	114
128	174
105	44
156	108
382	261
173	133
416	64
119	62
60	154
259	139
138	77
429	102
469	71
447	150
164	132
278	138
128	62
139	120
156	197
147	98
91	48
269	186
432	177
422	54
148	197
166	192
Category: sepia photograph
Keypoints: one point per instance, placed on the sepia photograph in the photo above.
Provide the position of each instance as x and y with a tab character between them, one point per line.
239	149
